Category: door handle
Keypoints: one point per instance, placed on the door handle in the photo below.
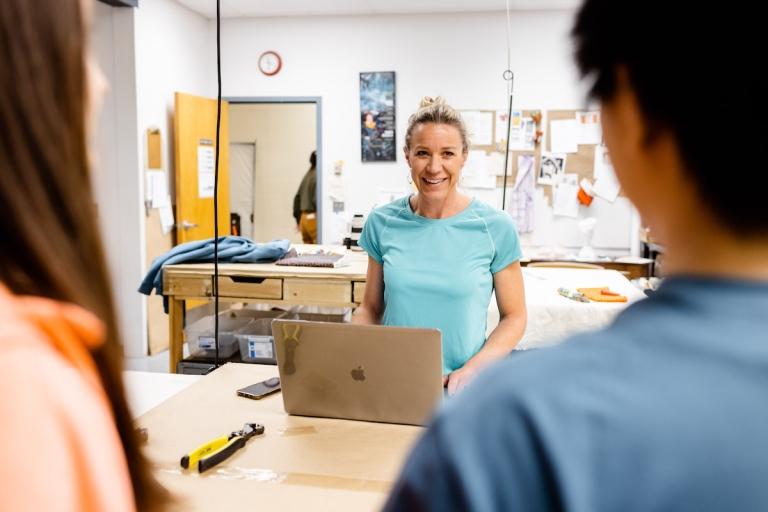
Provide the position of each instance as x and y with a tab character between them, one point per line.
188	225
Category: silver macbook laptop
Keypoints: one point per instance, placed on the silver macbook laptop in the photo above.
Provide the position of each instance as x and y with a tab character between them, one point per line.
359	372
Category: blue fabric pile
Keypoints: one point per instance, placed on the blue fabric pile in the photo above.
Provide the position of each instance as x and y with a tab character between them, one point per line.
232	249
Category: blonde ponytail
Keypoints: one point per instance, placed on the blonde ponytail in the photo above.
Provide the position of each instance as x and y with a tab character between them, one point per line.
436	110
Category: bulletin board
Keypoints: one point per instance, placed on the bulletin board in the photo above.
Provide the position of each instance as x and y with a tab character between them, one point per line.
496	147
614	220
513	154
583	161
468	116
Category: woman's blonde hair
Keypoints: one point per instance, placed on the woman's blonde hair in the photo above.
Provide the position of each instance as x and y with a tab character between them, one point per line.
436	110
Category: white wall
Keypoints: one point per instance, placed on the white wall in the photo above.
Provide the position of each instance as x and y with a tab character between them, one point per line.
116	178
458	56
147	54
173	54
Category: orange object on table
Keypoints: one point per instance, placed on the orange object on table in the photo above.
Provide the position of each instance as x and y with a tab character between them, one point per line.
602	294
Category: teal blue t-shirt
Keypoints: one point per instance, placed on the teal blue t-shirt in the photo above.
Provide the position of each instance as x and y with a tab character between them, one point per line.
438	273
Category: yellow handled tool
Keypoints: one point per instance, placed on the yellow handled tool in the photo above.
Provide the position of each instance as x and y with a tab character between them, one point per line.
207	455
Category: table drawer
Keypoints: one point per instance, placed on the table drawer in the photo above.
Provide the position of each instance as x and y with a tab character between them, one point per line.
192	286
250	287
358	291
314	291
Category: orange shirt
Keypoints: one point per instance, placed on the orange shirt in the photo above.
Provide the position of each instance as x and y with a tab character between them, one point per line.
61	450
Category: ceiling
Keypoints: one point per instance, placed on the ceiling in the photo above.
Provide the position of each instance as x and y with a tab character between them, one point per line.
268	8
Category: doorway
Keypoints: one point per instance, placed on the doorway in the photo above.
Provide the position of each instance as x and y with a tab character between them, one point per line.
242	168
271	142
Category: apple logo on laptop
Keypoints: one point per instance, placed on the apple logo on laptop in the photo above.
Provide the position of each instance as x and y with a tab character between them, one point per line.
358	373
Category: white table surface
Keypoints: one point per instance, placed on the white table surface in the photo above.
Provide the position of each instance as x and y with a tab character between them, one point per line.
146	390
552	317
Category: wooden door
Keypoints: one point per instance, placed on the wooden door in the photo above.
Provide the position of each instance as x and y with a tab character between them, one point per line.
195	137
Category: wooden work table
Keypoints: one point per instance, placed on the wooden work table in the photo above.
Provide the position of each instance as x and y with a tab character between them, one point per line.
632	268
263	283
285	286
299	463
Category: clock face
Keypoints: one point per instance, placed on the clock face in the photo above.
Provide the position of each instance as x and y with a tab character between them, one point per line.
270	63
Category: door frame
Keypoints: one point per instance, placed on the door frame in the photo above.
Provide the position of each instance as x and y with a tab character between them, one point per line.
318	102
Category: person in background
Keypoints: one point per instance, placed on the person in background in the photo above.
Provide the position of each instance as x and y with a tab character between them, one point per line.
435	257
305	203
666	408
66	434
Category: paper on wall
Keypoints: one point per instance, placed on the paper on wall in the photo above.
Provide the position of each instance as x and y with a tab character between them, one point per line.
520	197
524	166
528	130
565	201
571	178
589	128
551	167
157	189
166	216
522	137
521	133
206	179
479	127
476	173
606	185
564	136
496	164
476	164
501	126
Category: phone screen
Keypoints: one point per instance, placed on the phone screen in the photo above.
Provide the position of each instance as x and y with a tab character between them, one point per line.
260	389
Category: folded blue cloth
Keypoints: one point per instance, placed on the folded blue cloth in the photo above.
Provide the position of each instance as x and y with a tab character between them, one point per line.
232	249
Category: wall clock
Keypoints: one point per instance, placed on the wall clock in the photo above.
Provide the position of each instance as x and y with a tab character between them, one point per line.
270	63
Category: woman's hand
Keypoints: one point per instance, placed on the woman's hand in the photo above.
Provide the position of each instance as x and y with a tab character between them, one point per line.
510	298
458	379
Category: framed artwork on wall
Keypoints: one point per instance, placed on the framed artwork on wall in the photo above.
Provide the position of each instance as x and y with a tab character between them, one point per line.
377	116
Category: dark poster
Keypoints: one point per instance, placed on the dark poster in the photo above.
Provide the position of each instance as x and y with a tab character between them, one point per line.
377	116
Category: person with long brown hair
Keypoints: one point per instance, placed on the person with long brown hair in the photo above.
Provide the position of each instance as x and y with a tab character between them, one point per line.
66	434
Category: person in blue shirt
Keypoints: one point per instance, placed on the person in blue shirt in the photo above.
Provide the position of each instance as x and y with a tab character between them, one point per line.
667	408
436	256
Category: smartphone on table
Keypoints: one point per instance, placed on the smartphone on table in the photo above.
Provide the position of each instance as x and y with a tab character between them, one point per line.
260	389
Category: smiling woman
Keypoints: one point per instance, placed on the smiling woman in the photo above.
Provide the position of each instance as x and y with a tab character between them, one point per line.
436	256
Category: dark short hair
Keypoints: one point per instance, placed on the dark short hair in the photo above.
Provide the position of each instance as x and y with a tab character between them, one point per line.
313	159
694	68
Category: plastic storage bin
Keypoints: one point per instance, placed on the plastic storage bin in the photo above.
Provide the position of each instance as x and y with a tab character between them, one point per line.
200	336
340	315
256	342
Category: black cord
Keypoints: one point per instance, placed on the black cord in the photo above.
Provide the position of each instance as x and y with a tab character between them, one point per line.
215	286
508	75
